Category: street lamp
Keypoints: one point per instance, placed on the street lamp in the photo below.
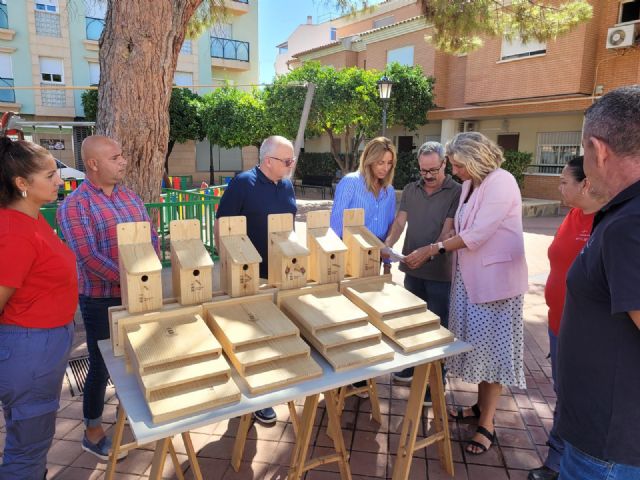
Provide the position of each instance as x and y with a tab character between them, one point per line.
384	90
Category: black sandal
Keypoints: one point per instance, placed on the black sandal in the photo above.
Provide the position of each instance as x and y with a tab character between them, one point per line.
461	416
473	443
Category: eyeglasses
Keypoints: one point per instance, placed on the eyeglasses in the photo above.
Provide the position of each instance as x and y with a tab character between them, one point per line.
286	161
431	171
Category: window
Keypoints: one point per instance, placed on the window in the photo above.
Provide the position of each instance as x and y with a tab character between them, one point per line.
333	34
630	11
6	66
555	149
222	30
52	70
404	56
94	73
383	22
283	48
96	9
50	6
517	49
183	79
187	47
6	78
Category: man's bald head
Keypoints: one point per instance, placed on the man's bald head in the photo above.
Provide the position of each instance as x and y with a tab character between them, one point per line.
103	160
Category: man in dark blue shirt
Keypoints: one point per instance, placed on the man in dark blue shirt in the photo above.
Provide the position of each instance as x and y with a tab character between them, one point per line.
257	193
599	342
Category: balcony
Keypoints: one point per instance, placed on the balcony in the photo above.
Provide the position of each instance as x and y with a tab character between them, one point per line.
7	95
236	7
94	27
230	54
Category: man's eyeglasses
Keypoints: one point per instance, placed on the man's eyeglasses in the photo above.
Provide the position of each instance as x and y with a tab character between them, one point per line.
286	161
431	171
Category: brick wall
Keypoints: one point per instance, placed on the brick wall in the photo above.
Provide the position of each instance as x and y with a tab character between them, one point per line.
400	14
423	53
541	186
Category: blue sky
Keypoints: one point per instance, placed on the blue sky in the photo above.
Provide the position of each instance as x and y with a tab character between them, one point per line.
277	19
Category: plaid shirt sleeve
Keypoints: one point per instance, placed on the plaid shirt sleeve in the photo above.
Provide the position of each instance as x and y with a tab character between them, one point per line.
74	220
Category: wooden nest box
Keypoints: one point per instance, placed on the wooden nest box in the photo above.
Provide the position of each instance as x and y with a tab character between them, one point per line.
288	260
191	264
327	251
363	256
140	268
240	273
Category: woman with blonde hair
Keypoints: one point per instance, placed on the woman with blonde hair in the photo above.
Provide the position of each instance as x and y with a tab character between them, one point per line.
369	188
490	279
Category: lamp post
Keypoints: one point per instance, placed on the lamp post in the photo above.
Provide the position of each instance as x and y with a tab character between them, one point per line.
384	90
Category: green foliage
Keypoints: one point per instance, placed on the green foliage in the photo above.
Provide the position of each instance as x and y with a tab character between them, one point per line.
90	104
234	118
315	163
459	25
184	116
406	170
516	163
346	104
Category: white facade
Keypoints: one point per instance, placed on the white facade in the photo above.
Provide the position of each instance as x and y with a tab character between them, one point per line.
304	37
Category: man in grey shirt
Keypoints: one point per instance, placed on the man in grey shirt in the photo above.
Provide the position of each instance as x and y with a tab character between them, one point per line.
428	206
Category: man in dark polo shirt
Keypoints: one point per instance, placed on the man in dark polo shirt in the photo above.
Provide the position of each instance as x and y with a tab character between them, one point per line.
599	342
428	206
257	193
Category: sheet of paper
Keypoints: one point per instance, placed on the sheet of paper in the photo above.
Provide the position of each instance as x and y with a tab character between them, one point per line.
394	256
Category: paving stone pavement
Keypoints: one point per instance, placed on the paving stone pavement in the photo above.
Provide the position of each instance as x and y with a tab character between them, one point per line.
523	419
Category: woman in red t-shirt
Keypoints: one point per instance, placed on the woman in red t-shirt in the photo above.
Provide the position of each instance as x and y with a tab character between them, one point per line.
38	299
572	235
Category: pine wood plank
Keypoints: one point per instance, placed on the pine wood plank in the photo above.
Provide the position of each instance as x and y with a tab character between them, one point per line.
248	356
380	297
353	355
417	339
397	322
272	375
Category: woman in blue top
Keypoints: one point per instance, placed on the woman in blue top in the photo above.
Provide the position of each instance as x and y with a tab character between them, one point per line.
369	188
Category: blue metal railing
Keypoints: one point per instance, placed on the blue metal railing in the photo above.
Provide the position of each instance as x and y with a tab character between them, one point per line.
4	16
8	96
229	49
94	27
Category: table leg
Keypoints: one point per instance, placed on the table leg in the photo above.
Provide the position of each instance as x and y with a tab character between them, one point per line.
375	402
176	463
336	431
116	443
191	454
411	422
441	417
303	438
294	417
241	438
159	457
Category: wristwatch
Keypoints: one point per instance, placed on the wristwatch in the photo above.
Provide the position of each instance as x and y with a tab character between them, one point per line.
441	249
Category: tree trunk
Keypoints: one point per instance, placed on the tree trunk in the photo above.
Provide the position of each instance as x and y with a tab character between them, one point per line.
165	173
138	54
335	154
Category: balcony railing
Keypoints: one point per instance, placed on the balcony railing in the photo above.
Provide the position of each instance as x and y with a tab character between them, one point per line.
550	168
8	96
229	49
242	1
4	16
94	27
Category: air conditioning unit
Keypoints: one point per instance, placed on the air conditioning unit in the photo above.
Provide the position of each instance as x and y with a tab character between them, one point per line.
621	36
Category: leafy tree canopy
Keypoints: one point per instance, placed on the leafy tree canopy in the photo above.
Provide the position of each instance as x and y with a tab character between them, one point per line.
460	25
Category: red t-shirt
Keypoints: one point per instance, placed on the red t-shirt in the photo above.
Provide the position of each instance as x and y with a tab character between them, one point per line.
41	268
572	235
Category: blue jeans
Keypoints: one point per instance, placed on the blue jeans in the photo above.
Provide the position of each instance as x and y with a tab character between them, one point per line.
32	365
95	316
556	444
577	465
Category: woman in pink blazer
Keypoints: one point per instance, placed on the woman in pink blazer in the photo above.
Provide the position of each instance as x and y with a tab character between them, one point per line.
490	279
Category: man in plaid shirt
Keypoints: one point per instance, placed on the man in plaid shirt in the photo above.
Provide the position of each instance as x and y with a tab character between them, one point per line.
88	219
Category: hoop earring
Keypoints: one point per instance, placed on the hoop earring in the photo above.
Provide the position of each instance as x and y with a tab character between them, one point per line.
23	193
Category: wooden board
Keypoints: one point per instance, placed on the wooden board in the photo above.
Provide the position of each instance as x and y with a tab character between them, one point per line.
379	296
346	334
418	339
171	339
396	323
248	356
170	405
247	320
119	319
358	354
273	375
318	307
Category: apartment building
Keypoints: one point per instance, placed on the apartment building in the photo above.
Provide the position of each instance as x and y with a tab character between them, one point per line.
54	43
526	97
